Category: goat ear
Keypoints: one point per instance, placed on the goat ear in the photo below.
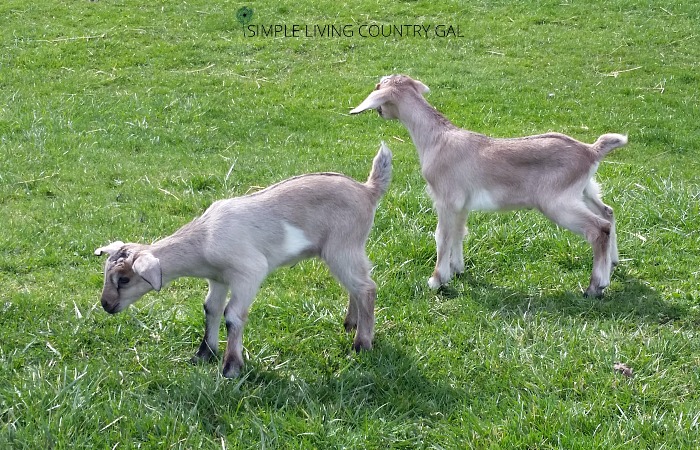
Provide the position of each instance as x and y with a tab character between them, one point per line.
110	249
423	89
147	267
375	99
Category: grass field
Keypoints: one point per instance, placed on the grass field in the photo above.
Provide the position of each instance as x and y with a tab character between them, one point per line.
125	119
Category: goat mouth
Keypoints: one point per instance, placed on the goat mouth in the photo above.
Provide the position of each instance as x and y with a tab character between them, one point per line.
112	309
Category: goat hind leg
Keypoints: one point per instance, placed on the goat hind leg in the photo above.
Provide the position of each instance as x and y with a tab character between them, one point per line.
353	272
457	251
607	214
591	196
365	298
578	218
599	237
351	317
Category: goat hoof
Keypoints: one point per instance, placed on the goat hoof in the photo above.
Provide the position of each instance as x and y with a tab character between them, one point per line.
359	346
595	292
197	360
457	269
202	359
349	326
231	370
204	354
434	283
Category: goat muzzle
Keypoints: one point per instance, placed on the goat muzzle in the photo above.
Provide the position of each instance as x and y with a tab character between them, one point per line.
110	307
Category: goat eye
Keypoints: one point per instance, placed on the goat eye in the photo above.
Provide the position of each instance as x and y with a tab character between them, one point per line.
123	280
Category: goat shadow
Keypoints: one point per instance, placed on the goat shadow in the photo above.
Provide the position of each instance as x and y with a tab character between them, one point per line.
388	381
627	298
385	381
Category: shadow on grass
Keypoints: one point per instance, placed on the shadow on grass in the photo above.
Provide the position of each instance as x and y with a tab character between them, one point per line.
627	298
385	383
386	378
344	391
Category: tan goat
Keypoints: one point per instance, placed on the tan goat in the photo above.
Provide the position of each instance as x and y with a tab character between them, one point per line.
237	242
468	171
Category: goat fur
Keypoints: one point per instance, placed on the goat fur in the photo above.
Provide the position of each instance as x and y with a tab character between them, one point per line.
237	242
467	171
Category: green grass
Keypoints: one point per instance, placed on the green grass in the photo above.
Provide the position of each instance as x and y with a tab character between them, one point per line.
125	119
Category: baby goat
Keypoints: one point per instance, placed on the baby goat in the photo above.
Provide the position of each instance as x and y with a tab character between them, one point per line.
237	242
467	171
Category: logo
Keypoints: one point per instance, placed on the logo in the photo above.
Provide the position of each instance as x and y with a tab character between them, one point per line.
244	15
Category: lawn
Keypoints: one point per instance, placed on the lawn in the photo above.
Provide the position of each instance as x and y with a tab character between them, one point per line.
123	120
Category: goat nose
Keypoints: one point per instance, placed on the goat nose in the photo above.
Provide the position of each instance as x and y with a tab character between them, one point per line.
108	307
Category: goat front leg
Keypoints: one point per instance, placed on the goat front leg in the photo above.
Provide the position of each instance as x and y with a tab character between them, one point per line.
213	310
243	292
450	228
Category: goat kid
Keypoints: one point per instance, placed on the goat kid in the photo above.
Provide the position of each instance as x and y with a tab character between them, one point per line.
237	242
468	171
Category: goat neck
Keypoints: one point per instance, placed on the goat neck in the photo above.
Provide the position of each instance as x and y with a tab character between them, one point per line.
427	127
180	254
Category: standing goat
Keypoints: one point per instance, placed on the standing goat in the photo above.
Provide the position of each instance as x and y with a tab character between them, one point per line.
467	171
237	242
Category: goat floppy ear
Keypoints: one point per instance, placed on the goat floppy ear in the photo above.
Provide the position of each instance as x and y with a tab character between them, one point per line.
110	249
375	99
147	267
423	89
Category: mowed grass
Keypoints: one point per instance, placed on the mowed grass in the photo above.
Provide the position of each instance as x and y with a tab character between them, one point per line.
124	120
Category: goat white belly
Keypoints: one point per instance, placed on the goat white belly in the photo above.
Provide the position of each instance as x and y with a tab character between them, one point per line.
482	201
295	241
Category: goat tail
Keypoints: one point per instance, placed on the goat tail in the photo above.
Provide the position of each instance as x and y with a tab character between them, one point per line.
608	142
380	176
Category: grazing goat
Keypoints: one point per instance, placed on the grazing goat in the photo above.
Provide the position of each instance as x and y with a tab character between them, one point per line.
237	242
468	171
